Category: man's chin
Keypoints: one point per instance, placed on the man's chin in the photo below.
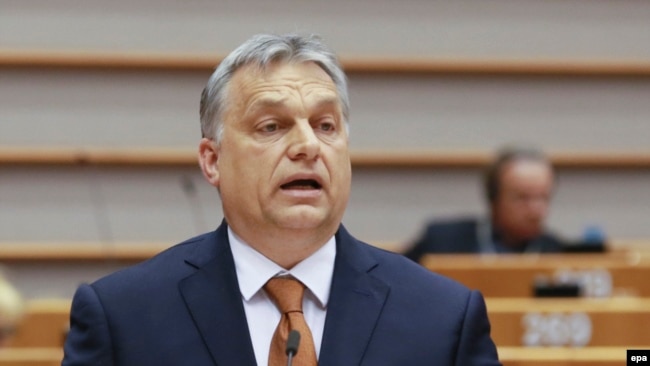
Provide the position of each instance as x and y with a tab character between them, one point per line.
303	218
530	235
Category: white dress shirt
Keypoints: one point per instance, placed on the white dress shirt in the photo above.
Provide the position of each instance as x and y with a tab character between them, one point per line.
254	270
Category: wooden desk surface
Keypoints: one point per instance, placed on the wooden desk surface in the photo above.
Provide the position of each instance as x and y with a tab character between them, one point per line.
616	273
622	322
617	324
45	324
509	356
563	356
31	356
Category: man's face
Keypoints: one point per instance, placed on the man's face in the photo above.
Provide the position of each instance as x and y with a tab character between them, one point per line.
522	204
283	161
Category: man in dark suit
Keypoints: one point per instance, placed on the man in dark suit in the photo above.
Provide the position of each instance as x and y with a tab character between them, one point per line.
518	188
275	145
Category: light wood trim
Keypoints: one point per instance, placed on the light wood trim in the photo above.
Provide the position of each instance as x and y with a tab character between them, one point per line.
613	305
353	64
563	356
125	251
391	158
502	66
98	156
42	356
533	261
45	324
384	158
108	59
68	252
79	252
515	275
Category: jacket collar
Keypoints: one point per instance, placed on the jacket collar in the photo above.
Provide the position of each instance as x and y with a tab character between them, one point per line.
356	301
213	298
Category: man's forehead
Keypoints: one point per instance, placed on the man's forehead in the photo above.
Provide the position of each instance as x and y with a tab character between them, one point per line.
272	69
526	177
275	86
528	166
278	100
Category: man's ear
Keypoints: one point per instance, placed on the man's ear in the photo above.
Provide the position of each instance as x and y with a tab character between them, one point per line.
208	158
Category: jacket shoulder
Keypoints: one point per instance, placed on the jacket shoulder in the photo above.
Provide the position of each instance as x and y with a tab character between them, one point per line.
166	266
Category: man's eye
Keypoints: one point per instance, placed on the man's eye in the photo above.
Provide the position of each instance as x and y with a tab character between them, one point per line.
270	127
326	126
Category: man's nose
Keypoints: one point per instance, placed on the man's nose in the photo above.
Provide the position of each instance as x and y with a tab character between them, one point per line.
304	142
538	205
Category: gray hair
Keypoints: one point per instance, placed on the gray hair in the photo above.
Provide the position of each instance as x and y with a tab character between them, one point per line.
262	50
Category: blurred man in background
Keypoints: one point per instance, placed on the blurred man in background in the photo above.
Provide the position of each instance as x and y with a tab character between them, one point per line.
518	188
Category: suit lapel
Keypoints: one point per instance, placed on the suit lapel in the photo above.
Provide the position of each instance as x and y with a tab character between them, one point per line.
213	298
355	304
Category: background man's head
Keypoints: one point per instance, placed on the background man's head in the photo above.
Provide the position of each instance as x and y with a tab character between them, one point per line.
519	186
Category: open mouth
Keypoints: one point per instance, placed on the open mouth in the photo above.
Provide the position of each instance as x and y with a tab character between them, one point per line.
302	184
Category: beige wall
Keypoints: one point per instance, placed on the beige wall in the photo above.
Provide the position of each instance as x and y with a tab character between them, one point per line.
120	108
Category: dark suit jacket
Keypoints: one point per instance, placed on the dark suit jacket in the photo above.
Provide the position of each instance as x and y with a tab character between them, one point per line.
184	307
460	236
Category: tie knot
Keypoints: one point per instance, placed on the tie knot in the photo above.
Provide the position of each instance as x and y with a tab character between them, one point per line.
286	292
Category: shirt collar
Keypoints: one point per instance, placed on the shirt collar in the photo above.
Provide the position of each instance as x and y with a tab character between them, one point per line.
490	241
254	269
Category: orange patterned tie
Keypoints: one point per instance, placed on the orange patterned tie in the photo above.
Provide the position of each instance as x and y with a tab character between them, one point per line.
287	293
